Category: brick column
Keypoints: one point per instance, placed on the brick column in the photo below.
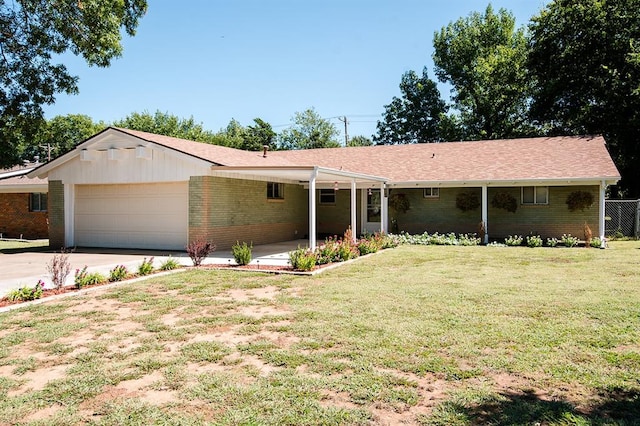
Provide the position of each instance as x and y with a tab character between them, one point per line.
56	214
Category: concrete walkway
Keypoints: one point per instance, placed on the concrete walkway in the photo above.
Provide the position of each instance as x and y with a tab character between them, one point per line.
18	269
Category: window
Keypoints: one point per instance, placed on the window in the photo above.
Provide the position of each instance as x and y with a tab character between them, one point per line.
327	196
38	202
535	195
275	191
431	192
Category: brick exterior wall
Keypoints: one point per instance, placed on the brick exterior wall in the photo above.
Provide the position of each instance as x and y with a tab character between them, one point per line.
441	214
229	210
17	221
56	214
334	219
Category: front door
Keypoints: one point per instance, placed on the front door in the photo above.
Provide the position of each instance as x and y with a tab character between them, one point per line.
373	212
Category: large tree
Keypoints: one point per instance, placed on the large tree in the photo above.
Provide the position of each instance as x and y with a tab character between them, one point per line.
418	116
258	135
584	55
309	130
32	32
483	57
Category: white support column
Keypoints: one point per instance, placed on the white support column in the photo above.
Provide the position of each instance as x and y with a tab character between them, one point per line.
383	210
354	228
312	209
69	214
485	213
601	213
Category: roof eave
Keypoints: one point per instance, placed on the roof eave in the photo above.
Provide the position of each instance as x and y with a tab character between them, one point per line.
608	180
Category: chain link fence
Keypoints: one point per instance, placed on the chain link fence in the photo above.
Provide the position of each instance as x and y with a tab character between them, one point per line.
622	218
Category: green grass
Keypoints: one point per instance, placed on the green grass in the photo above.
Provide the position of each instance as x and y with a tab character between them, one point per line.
20	246
420	335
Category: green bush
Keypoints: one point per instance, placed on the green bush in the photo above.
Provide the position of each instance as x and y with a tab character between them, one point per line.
26	293
513	240
169	264
242	253
596	242
569	240
146	267
302	259
552	242
118	273
367	246
534	241
82	278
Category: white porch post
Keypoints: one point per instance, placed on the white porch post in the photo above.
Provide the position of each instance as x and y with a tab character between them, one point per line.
601	210
354	229
485	213
312	208
383	210
69	214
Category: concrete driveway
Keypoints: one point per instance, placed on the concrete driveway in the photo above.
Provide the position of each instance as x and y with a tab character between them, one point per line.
20	268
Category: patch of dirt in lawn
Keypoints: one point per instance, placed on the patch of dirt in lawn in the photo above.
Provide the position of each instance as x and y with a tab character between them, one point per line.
244	295
42	414
38	379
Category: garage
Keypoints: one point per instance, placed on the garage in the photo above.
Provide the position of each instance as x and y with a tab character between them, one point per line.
144	216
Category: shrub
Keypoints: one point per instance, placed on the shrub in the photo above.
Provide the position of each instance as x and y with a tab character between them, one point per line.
468	240
82	278
388	241
569	240
347	250
513	241
26	293
534	241
169	264
59	268
242	253
146	267
199	249
596	242
118	273
302	259
552	242
367	246
328	252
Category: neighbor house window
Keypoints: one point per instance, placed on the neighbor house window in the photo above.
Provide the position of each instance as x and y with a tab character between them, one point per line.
275	191
535	195
38	202
327	196
431	192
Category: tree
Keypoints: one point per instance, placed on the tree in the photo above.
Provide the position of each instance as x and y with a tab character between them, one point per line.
584	56
360	141
163	123
484	57
309	131
419	116
32	32
259	135
62	133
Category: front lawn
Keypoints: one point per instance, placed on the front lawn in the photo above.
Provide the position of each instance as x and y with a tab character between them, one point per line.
416	335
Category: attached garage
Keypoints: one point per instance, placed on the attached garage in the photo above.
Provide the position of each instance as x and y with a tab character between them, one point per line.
144	216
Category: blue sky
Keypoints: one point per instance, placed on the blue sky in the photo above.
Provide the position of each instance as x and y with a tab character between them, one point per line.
215	60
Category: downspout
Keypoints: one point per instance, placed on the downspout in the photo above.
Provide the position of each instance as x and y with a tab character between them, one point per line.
354	229
312	208
601	208
383	210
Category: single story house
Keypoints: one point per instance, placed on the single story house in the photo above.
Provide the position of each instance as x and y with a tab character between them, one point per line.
23	204
130	189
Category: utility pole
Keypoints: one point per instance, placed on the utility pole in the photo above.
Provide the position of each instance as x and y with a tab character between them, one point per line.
49	148
346	135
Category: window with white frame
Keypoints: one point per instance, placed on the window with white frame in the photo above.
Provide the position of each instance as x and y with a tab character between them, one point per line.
38	202
327	196
535	195
275	191
431	192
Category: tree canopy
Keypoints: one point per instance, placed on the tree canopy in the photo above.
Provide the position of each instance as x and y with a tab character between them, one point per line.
418	116
584	56
33	31
483	57
309	130
163	123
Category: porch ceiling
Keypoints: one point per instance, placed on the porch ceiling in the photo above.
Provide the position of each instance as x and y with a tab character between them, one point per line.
299	175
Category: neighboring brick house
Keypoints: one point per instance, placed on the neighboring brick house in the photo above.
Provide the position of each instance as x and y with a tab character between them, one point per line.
23	205
130	189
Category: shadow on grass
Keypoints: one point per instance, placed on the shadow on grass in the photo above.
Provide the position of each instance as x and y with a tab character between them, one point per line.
36	249
617	407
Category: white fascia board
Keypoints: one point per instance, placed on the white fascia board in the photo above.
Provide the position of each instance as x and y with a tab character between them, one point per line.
298	175
503	183
14	173
352	175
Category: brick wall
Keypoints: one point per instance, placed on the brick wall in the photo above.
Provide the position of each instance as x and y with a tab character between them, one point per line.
16	220
56	214
334	219
229	210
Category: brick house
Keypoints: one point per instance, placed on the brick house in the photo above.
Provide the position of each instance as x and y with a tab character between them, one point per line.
23	205
130	189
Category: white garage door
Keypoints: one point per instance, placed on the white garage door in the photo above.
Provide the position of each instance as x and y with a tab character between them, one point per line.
153	216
